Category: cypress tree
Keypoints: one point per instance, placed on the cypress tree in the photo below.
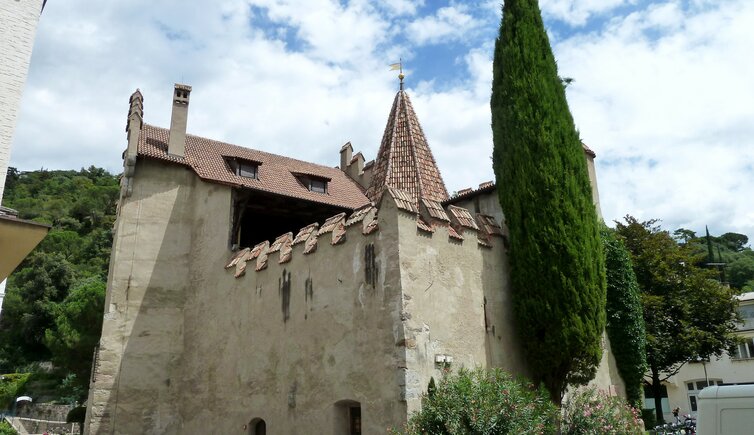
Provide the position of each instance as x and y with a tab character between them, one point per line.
556	260
710	255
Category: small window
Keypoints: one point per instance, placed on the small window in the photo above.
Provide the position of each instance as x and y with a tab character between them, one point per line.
313	183
247	170
319	186
745	350
243	168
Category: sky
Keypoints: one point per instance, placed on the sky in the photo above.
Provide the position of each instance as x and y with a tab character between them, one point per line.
662	90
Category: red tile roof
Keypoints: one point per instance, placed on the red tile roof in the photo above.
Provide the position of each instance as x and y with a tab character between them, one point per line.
404	160
460	217
434	210
276	173
487	186
402	199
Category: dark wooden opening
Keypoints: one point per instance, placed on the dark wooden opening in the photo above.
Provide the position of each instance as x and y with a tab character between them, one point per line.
260	216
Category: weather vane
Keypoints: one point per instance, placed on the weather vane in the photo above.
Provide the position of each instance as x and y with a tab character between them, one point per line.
398	66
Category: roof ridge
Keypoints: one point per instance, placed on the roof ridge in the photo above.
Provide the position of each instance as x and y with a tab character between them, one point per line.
241	147
406	102
275	175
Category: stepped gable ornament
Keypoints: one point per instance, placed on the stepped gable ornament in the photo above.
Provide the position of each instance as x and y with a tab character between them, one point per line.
405	160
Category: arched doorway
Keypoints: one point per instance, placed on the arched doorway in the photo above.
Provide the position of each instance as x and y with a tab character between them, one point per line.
257	426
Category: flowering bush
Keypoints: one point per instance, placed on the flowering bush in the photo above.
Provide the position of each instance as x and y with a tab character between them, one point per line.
589	411
484	402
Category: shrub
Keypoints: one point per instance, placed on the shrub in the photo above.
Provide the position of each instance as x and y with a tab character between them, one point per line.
590	411
484	402
11	386
7	429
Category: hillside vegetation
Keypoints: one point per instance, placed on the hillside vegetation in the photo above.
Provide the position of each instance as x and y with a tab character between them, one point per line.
54	300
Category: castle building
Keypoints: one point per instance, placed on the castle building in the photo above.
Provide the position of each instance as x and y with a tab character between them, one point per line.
251	293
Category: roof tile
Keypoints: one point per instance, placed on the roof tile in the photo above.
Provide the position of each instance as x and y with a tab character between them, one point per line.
331	223
403	200
360	214
405	160
276	174
434	210
305	233
488	225
454	234
423	225
460	217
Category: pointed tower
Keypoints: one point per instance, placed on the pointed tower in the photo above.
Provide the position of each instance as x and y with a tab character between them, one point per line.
405	161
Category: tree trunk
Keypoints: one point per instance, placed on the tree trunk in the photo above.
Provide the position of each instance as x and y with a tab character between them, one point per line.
657	393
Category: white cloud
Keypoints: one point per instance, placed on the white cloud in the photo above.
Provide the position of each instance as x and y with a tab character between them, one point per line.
448	23
578	12
674	139
662	94
403	7
332	31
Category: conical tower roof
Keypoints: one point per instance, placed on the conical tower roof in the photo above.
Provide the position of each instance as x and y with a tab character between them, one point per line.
405	161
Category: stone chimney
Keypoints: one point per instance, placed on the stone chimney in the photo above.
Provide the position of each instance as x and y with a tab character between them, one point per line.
177	140
346	151
134	122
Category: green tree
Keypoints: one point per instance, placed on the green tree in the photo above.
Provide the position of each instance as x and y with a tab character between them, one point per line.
735	241
687	312
556	259
76	329
27	308
625	320
50	306
741	271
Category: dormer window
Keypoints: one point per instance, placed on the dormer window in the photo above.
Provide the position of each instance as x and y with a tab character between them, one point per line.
319	186
312	182
248	170
243	168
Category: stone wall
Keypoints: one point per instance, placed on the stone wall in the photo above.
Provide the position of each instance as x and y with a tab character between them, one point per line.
45	411
19	20
136	379
456	310
293	342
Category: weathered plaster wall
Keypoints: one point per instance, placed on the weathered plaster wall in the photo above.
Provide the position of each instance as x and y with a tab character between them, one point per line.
607	377
455	303
19	25
289	342
136	386
188	348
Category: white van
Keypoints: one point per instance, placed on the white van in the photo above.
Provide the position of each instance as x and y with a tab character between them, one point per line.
726	410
